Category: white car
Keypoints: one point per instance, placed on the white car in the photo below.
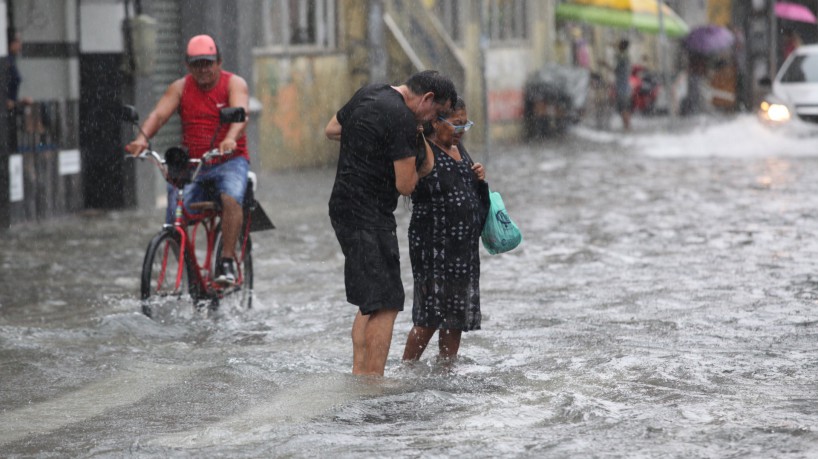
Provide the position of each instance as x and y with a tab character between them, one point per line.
793	102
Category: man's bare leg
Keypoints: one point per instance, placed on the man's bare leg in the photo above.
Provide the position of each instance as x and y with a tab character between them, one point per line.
378	338
449	343
232	216
416	342
359	342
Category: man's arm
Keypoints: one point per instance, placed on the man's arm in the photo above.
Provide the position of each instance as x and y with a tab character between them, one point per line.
160	115
333	129
408	172
429	163
238	96
406	176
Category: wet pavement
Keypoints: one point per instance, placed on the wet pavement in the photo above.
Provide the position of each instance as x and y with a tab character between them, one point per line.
659	306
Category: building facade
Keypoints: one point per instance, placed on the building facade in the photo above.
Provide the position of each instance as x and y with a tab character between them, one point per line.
303	59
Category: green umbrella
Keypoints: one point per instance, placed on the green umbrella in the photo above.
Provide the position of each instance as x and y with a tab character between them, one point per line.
642	19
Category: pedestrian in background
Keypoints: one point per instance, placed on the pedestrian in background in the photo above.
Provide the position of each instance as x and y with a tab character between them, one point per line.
622	83
382	155
740	63
13	77
447	219
13	82
790	43
580	50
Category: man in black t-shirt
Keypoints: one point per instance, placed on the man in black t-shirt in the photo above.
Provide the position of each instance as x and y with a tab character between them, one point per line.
383	154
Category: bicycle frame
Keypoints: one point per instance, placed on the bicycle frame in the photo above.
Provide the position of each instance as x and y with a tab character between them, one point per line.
209	219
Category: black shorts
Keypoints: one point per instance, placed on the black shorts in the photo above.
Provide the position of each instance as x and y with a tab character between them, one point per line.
371	269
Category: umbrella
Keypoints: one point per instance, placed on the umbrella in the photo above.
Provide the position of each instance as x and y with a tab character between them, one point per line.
794	12
642	15
709	39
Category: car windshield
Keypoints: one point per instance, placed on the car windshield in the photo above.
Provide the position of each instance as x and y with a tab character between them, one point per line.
802	69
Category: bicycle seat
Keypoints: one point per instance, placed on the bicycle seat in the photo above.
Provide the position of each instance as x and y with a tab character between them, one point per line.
212	198
204	205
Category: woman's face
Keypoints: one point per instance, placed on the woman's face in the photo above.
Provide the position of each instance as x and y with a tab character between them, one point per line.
16	45
451	130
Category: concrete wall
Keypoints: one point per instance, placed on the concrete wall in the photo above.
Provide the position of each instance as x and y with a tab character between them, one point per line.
301	91
300	94
506	72
49	30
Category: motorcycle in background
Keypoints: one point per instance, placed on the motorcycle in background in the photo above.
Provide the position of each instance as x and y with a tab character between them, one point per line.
645	90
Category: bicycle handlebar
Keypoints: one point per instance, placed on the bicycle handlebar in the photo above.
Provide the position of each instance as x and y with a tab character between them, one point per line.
162	164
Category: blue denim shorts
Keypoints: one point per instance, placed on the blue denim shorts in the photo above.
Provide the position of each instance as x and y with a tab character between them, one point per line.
229	177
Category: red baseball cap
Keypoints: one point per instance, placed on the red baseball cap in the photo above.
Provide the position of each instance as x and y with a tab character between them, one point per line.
202	47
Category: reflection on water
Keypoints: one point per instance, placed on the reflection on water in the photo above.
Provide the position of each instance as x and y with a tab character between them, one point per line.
657	308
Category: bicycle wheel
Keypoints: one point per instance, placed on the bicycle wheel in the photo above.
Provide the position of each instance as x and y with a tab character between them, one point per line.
243	290
160	271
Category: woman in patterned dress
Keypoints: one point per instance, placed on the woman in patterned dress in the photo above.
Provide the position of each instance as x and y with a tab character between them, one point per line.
444	234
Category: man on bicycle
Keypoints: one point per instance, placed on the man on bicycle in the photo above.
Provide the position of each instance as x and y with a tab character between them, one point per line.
198	97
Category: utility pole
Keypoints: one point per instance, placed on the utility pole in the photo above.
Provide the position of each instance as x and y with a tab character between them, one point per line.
377	45
484	46
662	48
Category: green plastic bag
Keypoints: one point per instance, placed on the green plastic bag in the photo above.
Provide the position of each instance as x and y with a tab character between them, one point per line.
500	233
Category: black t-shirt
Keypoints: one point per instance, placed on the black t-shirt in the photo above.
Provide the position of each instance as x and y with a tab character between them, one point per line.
377	128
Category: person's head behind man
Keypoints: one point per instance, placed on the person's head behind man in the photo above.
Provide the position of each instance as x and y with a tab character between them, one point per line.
203	60
437	94
15	44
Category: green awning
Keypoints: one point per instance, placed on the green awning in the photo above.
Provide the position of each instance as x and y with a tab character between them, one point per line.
641	21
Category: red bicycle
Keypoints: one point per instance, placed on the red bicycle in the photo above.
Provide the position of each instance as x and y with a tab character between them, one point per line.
175	263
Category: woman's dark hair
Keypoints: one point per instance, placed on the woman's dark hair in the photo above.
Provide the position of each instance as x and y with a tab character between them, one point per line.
459	104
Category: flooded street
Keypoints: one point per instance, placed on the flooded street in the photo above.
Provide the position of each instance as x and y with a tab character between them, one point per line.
662	304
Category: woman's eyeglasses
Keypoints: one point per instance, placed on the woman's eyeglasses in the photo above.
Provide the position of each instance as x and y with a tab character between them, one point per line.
458	128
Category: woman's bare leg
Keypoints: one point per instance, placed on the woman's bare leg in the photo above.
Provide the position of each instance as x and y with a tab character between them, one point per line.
449	343
416	342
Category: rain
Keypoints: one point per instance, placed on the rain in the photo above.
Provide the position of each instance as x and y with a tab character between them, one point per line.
661	304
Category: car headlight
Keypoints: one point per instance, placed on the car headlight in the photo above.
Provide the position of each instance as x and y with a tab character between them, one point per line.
775	112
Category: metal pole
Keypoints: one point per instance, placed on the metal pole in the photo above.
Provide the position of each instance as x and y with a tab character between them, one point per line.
377	46
662	50
484	45
773	28
661	46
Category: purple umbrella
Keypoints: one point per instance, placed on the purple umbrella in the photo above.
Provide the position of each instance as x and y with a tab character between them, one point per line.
708	40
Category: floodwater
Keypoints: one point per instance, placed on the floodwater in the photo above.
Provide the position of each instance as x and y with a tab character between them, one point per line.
658	307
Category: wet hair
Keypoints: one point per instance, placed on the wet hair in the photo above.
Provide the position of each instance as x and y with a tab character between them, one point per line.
432	81
459	104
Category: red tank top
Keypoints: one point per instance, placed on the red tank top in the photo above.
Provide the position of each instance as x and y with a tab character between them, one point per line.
199	111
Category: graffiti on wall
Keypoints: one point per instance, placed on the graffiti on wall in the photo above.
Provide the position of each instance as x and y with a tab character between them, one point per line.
505	105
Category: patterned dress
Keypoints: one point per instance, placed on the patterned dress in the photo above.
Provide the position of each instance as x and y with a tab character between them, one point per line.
444	236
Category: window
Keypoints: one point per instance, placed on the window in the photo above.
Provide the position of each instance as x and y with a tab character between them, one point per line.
802	69
449	13
309	23
507	20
